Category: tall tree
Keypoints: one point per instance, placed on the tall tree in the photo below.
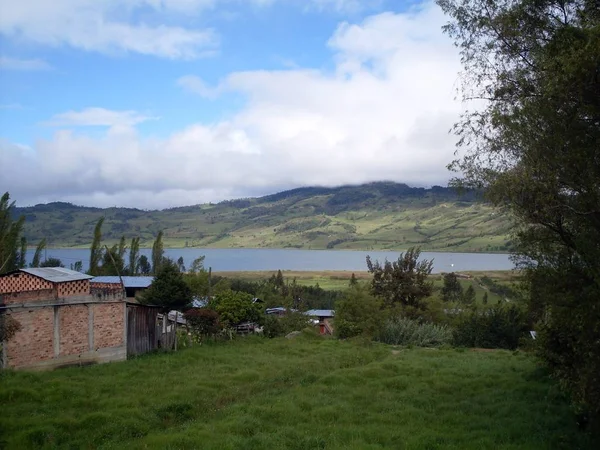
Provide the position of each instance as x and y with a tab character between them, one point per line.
22	255
532	144
168	290
134	254
157	252
96	250
37	256
452	290
402	283
11	244
144	267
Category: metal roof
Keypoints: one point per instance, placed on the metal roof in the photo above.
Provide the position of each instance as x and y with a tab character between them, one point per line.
320	312
128	282
56	274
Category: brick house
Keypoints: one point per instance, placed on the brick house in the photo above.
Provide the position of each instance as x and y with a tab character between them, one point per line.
65	319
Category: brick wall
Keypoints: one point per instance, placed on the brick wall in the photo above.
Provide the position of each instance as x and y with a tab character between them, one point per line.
27	297
109	325
35	341
105	288
72	288
73	329
22	282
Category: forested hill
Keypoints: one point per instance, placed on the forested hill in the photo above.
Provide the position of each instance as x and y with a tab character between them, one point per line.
369	216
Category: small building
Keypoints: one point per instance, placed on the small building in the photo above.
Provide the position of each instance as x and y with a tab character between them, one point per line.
62	320
67	318
322	318
132	285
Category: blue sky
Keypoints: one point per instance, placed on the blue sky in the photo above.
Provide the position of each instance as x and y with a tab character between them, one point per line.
156	103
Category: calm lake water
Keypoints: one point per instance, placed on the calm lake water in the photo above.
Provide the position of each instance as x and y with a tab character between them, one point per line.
273	259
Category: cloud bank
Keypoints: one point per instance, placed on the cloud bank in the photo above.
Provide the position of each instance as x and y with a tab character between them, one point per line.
382	113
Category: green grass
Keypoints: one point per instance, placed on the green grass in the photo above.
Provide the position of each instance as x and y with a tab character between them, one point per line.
307	393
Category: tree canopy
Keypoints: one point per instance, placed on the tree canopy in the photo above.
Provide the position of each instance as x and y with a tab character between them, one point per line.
168	290
531	141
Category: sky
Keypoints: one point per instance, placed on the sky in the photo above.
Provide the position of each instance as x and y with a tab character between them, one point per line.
161	103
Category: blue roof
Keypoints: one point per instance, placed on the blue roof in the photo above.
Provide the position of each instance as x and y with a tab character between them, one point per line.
320	312
128	282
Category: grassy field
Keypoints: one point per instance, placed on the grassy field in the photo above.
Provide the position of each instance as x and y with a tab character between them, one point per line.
368	217
340	279
306	393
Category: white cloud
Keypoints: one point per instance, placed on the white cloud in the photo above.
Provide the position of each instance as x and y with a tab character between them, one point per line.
196	85
107	26
383	113
97	117
7	63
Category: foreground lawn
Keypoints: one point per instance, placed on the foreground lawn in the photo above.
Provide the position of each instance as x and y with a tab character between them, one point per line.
306	393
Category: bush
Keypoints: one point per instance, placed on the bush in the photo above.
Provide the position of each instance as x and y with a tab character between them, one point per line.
497	327
203	322
403	331
357	313
280	326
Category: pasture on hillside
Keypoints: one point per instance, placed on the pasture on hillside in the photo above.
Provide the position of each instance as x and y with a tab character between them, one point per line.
305	393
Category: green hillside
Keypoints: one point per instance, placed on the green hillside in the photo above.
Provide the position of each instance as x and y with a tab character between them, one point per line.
370	217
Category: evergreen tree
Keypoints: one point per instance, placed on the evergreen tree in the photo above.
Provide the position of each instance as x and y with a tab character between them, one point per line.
485	298
469	296
403	283
180	264
12	245
353	280
452	290
96	251
157	252
134	254
37	256
143	266
168	290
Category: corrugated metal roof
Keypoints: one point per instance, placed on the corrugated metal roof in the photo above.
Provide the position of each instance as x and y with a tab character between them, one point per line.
56	274
320	313
128	282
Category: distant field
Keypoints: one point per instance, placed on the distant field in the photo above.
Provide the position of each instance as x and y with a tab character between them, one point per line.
378	216
306	393
339	280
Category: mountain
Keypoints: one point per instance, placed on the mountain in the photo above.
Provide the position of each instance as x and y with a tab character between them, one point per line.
371	216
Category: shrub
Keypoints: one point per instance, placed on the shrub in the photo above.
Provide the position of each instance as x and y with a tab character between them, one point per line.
497	327
203	322
357	312
280	326
403	331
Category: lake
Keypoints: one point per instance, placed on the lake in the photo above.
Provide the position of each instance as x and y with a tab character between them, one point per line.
314	260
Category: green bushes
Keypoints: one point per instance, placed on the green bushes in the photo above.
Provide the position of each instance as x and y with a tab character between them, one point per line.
280	326
357	313
403	331
497	327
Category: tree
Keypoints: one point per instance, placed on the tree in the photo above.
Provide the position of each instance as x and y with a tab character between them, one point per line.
143	266
12	245
112	261
197	265
357	313
237	307
134	255
168	290
180	264
468	297
452	290
402	283
52	262
532	145
203	322
353	280
77	266
485	298
96	251
157	252
37	256
8	328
